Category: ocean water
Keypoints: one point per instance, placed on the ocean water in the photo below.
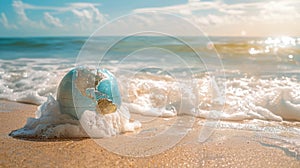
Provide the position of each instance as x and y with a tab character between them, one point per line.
244	83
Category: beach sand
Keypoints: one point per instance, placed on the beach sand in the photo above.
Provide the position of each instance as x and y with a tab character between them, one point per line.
225	148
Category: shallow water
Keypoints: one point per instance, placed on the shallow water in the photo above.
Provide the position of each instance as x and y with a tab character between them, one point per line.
247	83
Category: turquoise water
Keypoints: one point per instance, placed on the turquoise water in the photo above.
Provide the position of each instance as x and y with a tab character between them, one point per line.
273	55
40	47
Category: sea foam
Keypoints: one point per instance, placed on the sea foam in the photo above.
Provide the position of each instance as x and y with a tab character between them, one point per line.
51	123
242	99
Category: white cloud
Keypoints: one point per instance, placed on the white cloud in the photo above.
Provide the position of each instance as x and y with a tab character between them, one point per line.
83	14
98	16
5	23
195	5
80	5
218	14
88	15
52	20
66	8
280	11
19	8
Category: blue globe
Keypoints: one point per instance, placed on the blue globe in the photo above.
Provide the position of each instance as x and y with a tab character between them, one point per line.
86	89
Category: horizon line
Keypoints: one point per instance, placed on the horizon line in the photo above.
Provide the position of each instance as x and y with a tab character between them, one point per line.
232	36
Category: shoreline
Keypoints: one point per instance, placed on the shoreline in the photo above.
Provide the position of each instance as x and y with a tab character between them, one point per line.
226	148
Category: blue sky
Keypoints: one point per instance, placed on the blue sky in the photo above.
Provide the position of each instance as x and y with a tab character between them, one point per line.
221	17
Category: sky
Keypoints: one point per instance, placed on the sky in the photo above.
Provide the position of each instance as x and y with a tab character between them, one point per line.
215	18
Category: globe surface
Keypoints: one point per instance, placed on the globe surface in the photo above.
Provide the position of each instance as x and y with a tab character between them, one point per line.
84	89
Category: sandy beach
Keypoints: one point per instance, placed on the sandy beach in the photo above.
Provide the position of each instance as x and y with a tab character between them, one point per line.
225	148
192	83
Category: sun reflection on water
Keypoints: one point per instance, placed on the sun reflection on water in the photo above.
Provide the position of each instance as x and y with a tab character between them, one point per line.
283	45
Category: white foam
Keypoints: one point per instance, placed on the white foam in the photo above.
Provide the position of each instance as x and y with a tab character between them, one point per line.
31	80
151	111
108	125
30	97
269	99
243	99
51	123
273	99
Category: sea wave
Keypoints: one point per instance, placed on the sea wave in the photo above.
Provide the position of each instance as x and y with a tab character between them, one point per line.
288	47
269	98
40	42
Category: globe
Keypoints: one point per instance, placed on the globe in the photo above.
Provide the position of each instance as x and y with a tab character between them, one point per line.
84	89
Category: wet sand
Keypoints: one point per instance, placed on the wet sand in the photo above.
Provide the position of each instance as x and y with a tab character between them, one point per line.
225	148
